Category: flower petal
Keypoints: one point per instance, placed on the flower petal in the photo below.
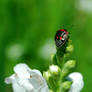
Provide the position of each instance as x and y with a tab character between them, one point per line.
22	70
77	80
17	88
10	79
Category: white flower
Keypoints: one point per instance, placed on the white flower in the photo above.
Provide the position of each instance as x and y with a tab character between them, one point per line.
77	80
27	80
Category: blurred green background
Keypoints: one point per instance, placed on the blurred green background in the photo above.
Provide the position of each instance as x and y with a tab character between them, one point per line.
27	29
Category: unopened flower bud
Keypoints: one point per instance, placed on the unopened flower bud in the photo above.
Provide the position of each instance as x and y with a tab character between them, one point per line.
46	75
69	65
51	91
54	69
49	78
69	48
66	85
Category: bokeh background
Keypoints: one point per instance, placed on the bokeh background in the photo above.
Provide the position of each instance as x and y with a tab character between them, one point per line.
27	29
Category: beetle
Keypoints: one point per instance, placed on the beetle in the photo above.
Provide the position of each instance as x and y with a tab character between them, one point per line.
61	37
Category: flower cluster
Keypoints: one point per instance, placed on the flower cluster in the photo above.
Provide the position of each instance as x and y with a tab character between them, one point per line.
59	77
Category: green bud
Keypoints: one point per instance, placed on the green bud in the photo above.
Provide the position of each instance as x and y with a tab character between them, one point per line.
46	75
51	82
55	76
51	90
70	48
68	67
70	64
66	85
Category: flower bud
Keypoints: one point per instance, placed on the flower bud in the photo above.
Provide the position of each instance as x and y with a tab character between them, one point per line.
46	75
66	85
68	66
49	78
51	90
69	48
54	69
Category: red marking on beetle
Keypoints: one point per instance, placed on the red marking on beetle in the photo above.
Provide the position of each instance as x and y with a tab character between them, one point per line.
63	30
57	37
67	32
60	38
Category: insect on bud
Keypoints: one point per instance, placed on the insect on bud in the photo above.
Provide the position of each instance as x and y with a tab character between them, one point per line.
61	37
